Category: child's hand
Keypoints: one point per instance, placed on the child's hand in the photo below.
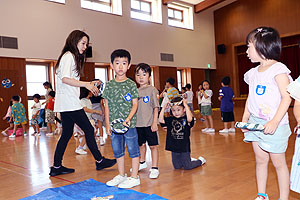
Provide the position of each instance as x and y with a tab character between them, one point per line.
184	101
4	118
154	127
220	98
99	112
244	130
270	127
108	130
126	122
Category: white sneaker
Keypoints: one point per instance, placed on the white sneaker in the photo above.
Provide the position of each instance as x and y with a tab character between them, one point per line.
153	173
84	147
202	160
225	130
130	182
3	133
49	134
76	134
193	159
232	130
117	180
210	130
262	198
13	135
102	142
205	130
142	166
80	151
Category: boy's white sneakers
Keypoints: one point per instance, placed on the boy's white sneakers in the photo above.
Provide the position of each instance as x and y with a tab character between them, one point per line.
130	182
210	130
154	173
80	151
116	180
203	160
204	130
225	130
232	130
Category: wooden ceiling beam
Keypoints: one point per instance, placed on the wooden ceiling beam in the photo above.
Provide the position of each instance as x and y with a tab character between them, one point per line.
165	2
206	4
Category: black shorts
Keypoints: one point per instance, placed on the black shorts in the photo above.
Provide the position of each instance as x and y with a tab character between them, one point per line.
227	116
146	135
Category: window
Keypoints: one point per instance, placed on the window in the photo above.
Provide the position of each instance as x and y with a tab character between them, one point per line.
180	15
107	6
58	1
179	80
101	74
148	10
36	75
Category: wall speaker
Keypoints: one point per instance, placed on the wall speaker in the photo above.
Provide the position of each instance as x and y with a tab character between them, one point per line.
221	48
89	52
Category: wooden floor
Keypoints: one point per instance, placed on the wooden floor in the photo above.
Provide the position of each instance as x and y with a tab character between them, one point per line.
228	174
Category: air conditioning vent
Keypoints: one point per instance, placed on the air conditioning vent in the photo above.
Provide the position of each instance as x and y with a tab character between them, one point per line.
8	42
167	57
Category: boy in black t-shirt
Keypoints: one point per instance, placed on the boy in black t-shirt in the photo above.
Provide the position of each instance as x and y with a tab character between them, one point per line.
178	134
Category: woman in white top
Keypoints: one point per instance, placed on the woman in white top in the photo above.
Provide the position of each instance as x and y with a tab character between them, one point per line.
69	67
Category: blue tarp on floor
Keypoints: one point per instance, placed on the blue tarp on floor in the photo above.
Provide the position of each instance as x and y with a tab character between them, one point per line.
88	189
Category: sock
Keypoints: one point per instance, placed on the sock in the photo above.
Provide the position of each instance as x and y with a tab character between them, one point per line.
262	194
142	162
154	168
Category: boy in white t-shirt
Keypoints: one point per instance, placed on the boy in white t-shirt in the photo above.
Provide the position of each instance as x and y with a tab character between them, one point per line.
35	114
189	96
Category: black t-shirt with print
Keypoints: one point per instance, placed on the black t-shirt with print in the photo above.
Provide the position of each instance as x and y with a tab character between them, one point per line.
178	134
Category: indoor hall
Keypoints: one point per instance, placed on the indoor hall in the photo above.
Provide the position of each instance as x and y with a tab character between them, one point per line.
209	46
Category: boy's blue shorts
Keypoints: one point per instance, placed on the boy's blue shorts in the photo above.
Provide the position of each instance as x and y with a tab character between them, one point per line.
131	139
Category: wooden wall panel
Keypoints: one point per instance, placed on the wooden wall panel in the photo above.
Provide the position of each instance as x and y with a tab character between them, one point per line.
197	76
88	72
235	21
164	74
14	69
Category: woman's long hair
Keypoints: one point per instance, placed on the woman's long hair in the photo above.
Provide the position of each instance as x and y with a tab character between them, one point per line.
71	45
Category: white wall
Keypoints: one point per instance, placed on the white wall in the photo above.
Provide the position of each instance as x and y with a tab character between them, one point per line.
42	27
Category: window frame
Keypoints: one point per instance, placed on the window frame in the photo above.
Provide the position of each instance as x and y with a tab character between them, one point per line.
140	10
174	18
101	2
57	1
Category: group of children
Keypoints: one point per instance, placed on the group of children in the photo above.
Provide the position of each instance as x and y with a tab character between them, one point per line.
16	114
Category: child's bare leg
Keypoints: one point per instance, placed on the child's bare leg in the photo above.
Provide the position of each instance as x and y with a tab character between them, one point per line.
262	160
24	128
282	171
232	124
225	125
100	124
143	153
205	121
135	166
82	141
15	128
210	121
154	155
11	126
121	167
37	128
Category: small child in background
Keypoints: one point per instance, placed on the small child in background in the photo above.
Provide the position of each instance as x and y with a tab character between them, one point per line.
18	115
294	89
85	96
35	114
50	114
183	92
172	92
178	134
199	98
146	118
225	96
9	119
189	96
206	110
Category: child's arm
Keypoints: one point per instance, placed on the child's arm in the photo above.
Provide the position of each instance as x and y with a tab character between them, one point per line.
108	129
154	126
246	115
38	112
45	102
282	81
102	107
189	114
204	94
297	111
220	98
92	111
161	118
132	112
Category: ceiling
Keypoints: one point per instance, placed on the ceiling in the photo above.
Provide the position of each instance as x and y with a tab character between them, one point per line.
194	2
